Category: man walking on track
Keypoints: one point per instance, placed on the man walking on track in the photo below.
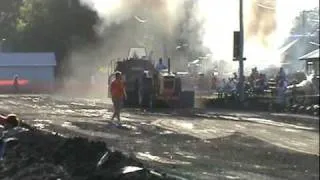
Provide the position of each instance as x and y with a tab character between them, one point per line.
118	94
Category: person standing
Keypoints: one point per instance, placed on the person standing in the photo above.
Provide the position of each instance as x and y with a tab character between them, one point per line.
281	99
281	75
118	94
223	88
16	83
160	66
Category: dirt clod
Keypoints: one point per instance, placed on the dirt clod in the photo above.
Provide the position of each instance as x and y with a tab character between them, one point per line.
40	156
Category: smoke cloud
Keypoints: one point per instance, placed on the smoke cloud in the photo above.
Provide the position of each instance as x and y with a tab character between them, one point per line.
127	24
262	22
261	48
200	26
135	22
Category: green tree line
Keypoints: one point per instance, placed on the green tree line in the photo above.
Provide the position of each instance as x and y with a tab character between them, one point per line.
47	26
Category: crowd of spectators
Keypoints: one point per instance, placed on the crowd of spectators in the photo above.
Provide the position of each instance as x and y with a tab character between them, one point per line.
255	84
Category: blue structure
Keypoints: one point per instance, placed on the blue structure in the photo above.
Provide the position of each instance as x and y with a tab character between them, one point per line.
35	71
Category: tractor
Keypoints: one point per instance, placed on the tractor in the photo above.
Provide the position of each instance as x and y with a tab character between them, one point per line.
149	88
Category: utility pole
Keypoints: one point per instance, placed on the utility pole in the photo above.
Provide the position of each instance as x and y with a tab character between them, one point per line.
304	32
241	59
2	42
303	22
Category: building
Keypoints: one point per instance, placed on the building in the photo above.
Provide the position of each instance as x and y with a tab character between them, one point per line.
312	62
35	72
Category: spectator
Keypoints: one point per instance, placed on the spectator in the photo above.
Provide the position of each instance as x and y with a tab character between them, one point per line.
260	84
222	88
281	75
214	82
235	76
16	83
252	77
256	72
280	99
160	66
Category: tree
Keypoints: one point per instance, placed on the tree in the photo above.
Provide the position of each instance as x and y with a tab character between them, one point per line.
9	11
305	30
306	22
54	26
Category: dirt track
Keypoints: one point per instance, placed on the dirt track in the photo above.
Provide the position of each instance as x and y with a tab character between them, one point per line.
203	145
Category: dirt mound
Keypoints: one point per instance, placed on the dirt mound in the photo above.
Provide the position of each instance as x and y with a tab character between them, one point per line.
42	156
